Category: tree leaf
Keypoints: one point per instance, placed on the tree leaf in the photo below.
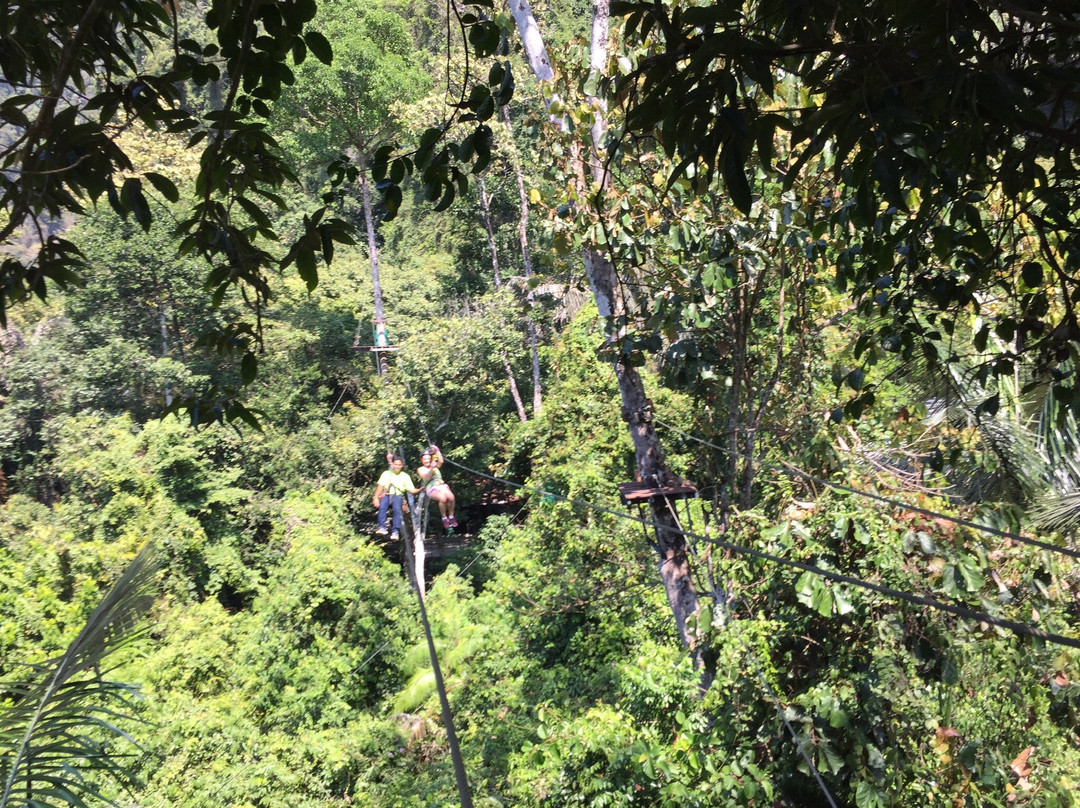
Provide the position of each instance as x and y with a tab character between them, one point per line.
249	367
131	195
320	46
306	267
735	178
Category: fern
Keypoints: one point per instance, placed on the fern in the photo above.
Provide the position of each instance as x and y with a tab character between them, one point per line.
65	713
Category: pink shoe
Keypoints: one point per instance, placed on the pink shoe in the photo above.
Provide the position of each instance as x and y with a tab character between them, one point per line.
453	521
446	523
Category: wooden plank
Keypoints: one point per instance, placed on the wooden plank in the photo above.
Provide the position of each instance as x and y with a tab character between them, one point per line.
643	492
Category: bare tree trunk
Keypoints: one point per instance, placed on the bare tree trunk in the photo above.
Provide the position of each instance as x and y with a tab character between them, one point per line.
598	63
742	431
758	411
381	338
526	260
538	402
652	467
529	31
738	371
164	323
515	393
485	207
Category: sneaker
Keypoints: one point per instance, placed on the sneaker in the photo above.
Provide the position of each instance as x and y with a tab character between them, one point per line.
395	535
453	521
381	530
446	523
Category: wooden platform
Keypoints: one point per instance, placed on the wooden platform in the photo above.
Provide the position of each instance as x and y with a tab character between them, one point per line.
635	492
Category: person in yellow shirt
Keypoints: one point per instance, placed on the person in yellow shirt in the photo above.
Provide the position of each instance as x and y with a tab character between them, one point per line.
390	492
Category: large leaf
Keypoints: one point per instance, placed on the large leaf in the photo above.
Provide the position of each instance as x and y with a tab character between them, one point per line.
66	713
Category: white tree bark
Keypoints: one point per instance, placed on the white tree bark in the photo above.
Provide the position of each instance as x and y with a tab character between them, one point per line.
164	323
526	260
373	252
535	50
485	208
598	63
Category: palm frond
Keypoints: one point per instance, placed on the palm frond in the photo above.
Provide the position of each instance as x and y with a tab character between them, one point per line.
65	713
417	657
1058	511
415	692
465	648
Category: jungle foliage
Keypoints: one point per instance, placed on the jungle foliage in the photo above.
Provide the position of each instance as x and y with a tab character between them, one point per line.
844	239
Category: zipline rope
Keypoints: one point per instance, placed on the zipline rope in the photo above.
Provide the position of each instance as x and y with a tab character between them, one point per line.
797	472
460	775
959	611
416	403
722	602
780	711
460	573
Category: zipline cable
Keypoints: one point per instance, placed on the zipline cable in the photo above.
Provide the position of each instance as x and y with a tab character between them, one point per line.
780	711
460	573
959	611
415	402
460	775
373	654
957	520
464	794
721	600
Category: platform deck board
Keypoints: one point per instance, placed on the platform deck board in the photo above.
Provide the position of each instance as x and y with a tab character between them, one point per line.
643	492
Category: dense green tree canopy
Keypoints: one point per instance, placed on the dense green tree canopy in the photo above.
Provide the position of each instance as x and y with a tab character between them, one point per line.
881	618
949	131
82	81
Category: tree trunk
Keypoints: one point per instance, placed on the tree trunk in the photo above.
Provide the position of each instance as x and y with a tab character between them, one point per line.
485	207
538	402
381	338
637	409
529	31
515	393
164	323
526	261
738	371
598	64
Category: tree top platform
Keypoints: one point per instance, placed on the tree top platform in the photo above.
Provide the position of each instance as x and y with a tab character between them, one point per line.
636	492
